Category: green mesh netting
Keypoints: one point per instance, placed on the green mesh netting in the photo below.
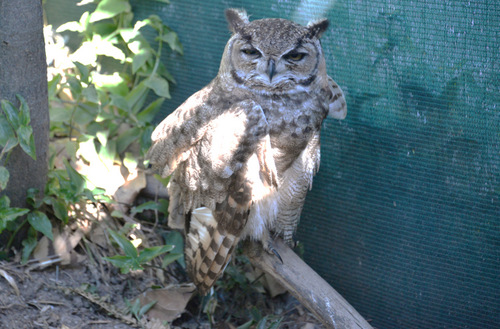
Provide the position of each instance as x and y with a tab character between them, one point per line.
404	216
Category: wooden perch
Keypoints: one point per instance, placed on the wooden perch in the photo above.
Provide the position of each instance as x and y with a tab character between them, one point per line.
307	286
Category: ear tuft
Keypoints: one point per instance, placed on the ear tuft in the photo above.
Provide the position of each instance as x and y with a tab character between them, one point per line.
316	28
237	18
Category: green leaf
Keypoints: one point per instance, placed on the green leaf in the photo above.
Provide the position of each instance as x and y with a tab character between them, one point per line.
84	71
109	8
4	178
159	86
32	198
26	140
176	239
120	102
11	113
40	222
60	210
154	21
149	253
75	86
4	202
76	181
164	73
8	214
29	243
170	258
140	59
107	48
90	94
145	140
53	84
125	263
59	114
124	244
162	180
127	138
24	111
150	205
115	83
172	39
8	139
137	96
149	113
85	113
146	308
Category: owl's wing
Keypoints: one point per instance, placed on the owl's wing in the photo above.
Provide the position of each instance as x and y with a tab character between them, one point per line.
294	185
213	181
179	132
337	104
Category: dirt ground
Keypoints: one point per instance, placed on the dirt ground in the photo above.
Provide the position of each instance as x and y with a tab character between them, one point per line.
85	296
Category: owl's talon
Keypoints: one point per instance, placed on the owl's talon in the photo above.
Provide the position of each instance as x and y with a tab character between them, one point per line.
277	255
270	249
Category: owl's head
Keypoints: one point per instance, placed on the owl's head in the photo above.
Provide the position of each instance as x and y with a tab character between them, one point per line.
273	55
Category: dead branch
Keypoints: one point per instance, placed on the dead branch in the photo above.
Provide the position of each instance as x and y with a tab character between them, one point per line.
307	286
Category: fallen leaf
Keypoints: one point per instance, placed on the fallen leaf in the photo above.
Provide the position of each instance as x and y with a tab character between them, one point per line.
170	302
11	281
61	249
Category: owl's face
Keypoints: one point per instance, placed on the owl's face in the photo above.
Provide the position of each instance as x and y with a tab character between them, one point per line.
273	55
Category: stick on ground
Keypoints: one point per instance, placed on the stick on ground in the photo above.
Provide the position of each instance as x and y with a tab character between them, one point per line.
307	286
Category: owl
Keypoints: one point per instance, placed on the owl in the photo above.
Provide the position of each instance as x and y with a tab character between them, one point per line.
242	151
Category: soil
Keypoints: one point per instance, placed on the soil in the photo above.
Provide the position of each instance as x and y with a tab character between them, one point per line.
94	296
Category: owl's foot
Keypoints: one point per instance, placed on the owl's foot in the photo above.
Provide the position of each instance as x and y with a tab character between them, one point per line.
269	247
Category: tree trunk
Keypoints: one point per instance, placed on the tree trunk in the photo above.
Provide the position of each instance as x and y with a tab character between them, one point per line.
23	70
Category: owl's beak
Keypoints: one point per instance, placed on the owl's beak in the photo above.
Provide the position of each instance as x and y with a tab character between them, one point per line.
271	68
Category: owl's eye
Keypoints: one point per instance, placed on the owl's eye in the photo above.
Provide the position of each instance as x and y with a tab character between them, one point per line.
250	51
295	56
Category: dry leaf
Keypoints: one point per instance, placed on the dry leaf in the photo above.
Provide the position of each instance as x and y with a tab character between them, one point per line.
170	302
61	249
11	281
127	193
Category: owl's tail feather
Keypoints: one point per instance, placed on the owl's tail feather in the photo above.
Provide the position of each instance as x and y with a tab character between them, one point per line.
208	249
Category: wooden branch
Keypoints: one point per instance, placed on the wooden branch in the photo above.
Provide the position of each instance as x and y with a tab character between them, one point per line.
307	286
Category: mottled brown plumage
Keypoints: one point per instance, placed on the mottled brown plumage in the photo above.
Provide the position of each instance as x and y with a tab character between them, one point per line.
243	150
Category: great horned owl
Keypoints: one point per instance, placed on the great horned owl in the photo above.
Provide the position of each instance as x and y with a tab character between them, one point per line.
243	150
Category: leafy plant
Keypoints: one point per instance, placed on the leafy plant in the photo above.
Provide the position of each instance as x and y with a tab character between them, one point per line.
15	129
107	113
134	259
